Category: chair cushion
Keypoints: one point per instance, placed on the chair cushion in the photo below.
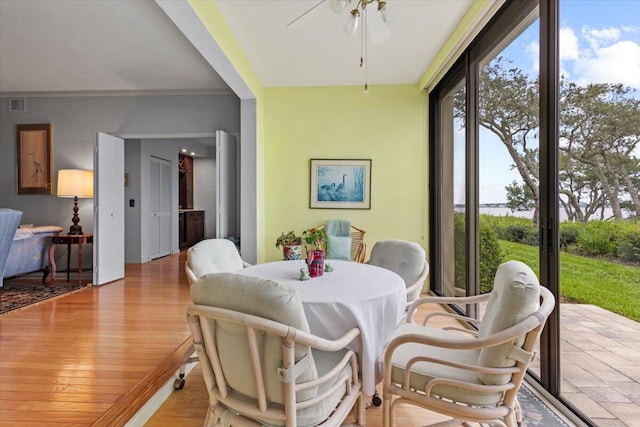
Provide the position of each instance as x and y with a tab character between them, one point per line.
406	259
214	256
338	247
315	414
515	296
423	372
338	227
263	298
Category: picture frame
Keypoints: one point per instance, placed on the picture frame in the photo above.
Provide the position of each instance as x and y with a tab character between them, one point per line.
340	184
35	174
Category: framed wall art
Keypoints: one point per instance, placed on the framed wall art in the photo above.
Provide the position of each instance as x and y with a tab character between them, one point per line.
34	158
340	184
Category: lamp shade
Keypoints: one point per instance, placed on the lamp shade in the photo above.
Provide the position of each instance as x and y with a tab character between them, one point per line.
75	183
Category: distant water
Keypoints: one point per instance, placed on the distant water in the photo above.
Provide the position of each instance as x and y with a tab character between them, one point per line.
504	211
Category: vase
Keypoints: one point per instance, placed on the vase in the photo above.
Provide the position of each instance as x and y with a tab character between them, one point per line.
292	252
315	261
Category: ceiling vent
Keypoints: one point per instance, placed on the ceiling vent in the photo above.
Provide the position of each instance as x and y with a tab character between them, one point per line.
17	104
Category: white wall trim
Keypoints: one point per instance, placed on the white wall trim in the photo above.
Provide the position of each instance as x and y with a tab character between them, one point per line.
146	412
187	21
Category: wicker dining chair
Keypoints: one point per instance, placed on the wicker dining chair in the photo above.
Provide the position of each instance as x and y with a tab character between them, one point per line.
472	375
260	362
358	245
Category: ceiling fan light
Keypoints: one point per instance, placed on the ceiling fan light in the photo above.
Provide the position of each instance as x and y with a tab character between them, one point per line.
384	12
353	22
337	5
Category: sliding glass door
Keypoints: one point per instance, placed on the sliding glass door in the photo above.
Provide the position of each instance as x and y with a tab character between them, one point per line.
535	144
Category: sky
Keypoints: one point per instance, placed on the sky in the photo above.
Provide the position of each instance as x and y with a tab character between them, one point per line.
599	43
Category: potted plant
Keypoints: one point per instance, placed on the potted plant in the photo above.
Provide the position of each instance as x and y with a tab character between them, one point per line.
316	239
291	245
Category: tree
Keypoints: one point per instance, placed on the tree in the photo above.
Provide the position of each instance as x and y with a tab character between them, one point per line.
519	197
600	128
599	139
508	107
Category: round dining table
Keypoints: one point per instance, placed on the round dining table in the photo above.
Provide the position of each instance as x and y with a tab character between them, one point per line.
352	295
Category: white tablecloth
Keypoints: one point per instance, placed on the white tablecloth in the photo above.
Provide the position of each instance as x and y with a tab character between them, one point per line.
354	294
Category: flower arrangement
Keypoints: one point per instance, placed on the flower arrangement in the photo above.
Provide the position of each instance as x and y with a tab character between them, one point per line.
315	238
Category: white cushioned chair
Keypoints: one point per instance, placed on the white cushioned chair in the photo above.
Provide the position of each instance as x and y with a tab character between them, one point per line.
260	363
463	373
406	259
205	257
212	256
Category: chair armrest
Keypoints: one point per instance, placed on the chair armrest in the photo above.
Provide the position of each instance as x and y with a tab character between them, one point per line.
271	326
444	300
455	316
191	277
467	343
419	283
361	253
329	345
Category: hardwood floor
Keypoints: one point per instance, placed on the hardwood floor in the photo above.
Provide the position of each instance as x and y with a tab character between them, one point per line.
96	356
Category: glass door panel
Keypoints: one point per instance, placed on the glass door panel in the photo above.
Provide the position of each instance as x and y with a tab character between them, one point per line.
508	155
599	183
454	233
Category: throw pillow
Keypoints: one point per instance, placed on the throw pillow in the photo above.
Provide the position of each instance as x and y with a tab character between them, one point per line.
339	247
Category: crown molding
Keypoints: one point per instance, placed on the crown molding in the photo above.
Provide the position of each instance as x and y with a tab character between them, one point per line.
87	93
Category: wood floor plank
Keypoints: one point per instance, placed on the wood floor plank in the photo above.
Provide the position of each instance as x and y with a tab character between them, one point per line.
96	356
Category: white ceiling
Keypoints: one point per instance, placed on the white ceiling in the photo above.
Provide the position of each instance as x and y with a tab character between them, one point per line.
131	45
317	52
77	45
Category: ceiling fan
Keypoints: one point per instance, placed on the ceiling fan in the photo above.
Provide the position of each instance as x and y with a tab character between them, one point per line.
370	15
375	19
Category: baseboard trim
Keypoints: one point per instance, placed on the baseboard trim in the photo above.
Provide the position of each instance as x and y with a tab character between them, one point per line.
146	412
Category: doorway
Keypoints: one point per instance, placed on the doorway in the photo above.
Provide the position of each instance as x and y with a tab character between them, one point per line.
159	207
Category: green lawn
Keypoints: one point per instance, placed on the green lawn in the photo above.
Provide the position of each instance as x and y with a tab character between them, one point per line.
606	284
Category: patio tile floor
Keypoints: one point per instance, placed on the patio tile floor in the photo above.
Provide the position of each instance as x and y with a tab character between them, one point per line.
600	366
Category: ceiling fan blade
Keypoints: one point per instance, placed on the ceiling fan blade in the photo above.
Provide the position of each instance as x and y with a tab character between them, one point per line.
378	30
305	13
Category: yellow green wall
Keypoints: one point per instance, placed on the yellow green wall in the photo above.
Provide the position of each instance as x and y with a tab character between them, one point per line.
387	125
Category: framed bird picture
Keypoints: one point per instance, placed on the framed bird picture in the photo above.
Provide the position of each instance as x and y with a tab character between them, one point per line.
340	184
34	158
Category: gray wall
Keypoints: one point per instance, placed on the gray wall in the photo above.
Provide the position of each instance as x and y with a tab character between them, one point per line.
248	181
204	193
132	215
75	122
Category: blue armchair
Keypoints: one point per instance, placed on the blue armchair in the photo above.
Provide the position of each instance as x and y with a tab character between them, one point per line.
24	249
9	221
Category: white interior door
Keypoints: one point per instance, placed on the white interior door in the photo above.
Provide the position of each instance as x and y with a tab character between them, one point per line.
108	242
226	215
159	207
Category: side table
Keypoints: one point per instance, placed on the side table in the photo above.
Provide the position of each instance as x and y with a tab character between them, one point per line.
68	239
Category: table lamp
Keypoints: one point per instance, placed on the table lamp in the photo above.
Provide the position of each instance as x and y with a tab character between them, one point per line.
75	183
